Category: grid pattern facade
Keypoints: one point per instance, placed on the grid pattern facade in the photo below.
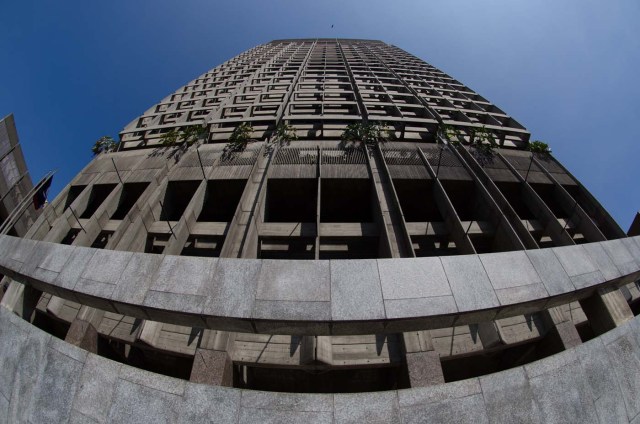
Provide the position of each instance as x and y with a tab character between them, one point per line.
318	86
315	200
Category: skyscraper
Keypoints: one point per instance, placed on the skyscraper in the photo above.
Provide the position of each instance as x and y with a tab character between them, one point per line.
329	216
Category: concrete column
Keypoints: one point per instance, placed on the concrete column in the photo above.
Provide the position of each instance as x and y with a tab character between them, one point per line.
212	367
561	334
423	362
21	299
606	309
83	331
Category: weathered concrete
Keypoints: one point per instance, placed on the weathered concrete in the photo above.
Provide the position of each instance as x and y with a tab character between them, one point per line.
325	297
47	379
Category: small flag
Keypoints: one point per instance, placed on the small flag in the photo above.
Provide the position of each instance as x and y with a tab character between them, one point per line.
40	196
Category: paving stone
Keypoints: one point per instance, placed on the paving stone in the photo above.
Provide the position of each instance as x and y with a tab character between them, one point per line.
508	397
53	396
287	401
370	408
267	416
469	283
307	281
413	278
560	389
28	374
204	404
603	383
624	354
233	289
97	385
355	290
133	403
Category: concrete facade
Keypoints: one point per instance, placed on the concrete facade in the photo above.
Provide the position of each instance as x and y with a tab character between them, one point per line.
427	277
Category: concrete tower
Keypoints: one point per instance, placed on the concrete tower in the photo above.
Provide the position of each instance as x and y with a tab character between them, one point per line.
322	216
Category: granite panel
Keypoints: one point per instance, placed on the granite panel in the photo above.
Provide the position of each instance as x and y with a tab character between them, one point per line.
469	283
553	276
136	278
423	307
370	408
183	275
205	404
103	272
53	396
560	389
413	278
579	266
602	260
355	290
97	385
233	289
133	403
624	353
508	397
509	269
621	257
77	261
604	386
303	281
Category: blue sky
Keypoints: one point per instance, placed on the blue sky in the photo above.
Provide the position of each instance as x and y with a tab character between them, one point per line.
567	70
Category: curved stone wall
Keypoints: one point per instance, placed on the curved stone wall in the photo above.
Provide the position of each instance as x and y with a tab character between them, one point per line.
45	379
321	297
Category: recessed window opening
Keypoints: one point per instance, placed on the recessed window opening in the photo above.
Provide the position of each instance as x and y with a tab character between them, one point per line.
131	192
221	200
417	201
99	193
70	236
548	196
291	200
156	243
513	193
73	193
207	246
346	200
464	198
424	246
101	241
177	198
349	248
287	248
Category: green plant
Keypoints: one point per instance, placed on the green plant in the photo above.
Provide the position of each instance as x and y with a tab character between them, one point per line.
368	133
452	135
193	133
104	144
483	140
240	137
170	138
538	146
284	135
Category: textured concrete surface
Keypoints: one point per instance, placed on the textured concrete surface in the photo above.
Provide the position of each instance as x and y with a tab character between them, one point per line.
45	379
321	297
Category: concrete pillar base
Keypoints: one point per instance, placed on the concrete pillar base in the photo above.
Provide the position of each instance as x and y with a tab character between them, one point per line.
606	309
424	369
212	367
83	334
